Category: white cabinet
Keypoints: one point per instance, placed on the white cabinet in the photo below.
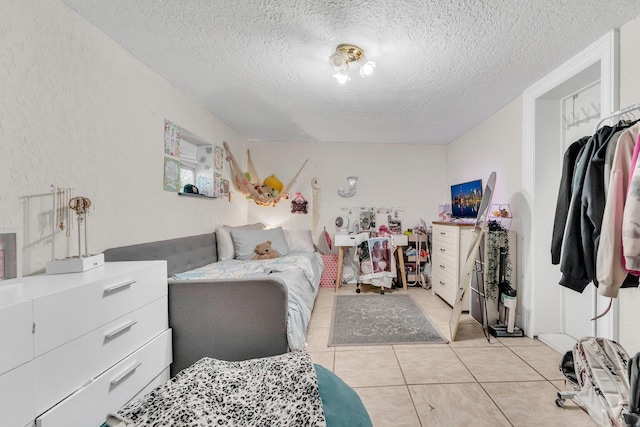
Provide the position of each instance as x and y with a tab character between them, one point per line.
87	343
449	252
16	324
112	389
16	354
17	388
67	306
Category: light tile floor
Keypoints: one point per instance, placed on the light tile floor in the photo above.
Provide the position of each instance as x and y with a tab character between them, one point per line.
505	382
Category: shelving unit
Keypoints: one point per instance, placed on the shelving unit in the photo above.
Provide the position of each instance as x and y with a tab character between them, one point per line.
485	256
501	213
416	256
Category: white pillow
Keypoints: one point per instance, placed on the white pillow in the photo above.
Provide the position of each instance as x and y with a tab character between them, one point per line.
245	241
299	241
226	250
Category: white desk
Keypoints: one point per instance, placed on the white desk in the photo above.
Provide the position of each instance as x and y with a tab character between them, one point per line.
343	241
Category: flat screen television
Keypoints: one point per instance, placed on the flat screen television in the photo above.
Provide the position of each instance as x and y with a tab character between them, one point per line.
465	199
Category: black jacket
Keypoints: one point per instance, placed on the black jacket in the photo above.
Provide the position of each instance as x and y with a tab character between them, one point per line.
564	197
578	245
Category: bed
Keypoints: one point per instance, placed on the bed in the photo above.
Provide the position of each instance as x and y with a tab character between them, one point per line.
217	319
235	298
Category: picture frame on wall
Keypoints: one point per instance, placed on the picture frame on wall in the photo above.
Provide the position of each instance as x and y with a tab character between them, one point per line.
10	256
218	158
171	138
225	187
218	185
171	174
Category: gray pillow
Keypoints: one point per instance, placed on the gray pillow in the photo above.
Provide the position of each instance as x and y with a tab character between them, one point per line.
299	241
245	241
226	250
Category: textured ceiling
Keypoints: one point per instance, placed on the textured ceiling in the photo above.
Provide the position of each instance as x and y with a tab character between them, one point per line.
262	66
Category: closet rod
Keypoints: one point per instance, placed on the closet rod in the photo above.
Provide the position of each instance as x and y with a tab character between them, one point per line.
617	113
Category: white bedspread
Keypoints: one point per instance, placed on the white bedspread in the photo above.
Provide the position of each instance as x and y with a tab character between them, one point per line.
300	272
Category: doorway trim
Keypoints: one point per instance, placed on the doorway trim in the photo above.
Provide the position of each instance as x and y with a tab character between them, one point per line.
606	51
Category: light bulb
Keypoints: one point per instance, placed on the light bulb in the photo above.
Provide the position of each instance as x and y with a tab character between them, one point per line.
366	67
338	61
342	76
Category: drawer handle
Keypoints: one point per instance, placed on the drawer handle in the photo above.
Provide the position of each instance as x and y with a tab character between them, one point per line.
441	282
119	330
443	233
117	287
442	266
117	380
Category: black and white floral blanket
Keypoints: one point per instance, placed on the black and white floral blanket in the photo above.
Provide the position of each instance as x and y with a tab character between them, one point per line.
272	391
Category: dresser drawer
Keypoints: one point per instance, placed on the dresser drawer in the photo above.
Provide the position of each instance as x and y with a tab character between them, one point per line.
16	396
444	235
452	245
16	330
445	287
77	303
445	251
111	390
66	368
445	269
444	257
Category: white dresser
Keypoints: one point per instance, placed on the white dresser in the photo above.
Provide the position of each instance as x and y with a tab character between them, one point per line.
450	242
17	381
100	338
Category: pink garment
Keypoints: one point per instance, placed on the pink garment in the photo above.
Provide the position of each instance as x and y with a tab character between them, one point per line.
610	270
631	218
634	160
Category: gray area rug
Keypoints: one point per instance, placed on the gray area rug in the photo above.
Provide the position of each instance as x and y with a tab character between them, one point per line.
380	319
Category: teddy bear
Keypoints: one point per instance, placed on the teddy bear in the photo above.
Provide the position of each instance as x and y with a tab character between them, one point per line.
266	190
265	251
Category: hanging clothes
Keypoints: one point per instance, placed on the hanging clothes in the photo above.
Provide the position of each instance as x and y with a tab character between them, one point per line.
608	159
564	197
578	243
603	211
631	223
593	201
610	270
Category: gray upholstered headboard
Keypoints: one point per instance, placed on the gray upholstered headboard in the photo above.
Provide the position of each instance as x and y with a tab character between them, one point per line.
181	254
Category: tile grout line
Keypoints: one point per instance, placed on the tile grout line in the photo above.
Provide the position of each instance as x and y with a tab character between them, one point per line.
404	378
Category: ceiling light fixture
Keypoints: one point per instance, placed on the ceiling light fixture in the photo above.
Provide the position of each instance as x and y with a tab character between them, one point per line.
346	53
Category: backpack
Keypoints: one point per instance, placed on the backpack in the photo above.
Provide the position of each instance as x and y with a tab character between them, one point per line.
601	371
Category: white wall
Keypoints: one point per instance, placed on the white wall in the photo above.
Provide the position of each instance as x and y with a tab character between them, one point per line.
407	176
78	111
494	145
629	95
501	133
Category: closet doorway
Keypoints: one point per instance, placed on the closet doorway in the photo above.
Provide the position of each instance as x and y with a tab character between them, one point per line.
558	110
